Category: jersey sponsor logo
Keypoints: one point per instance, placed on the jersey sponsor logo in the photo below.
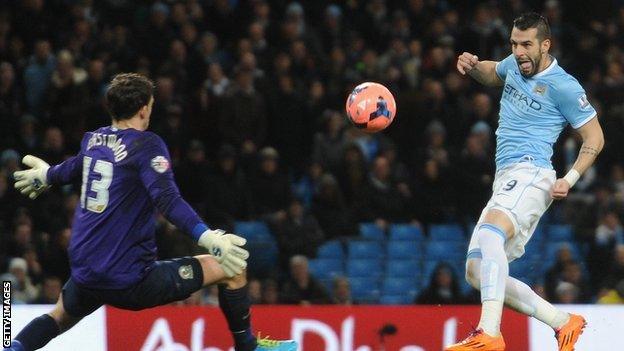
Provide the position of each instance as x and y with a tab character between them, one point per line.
160	164
520	100
583	102
186	271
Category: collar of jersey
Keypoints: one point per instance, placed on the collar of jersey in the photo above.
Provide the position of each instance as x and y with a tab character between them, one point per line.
552	64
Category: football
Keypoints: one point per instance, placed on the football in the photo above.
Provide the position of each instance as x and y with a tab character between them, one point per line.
371	107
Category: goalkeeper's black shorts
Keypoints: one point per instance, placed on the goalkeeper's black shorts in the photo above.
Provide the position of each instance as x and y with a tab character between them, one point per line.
168	281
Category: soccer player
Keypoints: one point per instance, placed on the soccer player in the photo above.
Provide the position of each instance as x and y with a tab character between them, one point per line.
539	99
126	174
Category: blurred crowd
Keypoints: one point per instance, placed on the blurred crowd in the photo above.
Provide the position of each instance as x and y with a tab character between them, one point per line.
250	99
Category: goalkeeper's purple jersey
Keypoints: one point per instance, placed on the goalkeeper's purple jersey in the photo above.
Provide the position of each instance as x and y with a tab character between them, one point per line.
126	174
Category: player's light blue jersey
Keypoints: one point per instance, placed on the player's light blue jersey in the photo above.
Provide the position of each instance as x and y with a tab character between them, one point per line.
534	111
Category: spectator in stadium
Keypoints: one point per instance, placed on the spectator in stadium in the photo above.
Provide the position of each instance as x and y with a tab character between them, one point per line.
27	138
608	234
435	189
306	185
329	207
96	86
270	292
436	148
288	126
475	176
67	97
566	293
54	259
6	207
341	292
196	170
11	104
573	274
565	256
613	296
297	234
328	144
37	76
384	203
174	131
616	272
301	288
22	240
9	160
443	288
50	291
24	291
228	191
270	189
243	120
352	174
53	147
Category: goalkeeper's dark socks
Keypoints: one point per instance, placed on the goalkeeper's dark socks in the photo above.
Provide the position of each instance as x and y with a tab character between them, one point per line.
36	334
235	306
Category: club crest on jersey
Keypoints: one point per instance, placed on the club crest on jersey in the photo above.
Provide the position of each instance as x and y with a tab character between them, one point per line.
186	272
160	164
583	102
539	89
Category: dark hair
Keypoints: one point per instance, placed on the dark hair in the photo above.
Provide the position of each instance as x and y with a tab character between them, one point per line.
127	94
533	20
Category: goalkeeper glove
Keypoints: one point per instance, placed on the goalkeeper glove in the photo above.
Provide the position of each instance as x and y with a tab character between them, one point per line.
32	182
227	249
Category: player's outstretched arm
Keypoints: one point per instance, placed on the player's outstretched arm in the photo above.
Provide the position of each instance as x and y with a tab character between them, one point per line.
40	176
593	141
483	72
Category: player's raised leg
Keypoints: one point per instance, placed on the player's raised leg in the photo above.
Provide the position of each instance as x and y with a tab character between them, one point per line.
44	328
235	304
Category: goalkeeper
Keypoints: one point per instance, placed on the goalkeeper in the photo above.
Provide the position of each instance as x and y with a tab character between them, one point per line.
126	175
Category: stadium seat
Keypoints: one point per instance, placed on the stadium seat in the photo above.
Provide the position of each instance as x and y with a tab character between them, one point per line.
364	290
253	231
446	232
560	232
405	232
399	286
371	231
396	300
402	268
326	268
331	249
361	268
365	249
440	250
403	249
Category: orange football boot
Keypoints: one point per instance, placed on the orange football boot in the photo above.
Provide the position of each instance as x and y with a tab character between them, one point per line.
478	340
569	333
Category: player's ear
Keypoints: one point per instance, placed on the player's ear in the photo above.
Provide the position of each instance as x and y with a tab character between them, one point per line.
545	46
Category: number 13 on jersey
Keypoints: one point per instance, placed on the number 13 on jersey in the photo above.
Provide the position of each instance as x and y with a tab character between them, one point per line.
104	170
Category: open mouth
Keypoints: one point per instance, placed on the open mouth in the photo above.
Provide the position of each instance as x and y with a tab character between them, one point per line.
525	65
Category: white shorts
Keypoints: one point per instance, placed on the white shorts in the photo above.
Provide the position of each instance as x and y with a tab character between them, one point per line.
522	191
